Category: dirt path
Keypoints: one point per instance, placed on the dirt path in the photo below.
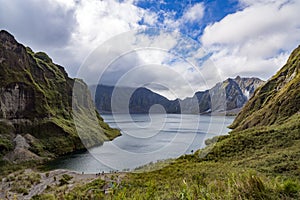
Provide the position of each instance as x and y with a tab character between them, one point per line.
50	180
21	185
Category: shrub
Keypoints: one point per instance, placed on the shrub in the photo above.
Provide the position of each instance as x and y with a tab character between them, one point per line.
43	197
65	179
290	187
21	190
247	186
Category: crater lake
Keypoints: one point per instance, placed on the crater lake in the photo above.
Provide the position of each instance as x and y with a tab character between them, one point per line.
145	139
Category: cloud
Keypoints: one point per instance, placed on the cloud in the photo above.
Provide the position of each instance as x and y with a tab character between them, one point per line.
191	14
108	27
150	19
194	13
256	40
68	30
98	21
253	41
246	3
145	59
38	23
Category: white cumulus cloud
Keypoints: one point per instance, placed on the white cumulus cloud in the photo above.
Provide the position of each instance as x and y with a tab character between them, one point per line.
194	13
255	41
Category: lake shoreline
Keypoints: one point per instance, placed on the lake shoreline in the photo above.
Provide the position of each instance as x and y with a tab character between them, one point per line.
144	140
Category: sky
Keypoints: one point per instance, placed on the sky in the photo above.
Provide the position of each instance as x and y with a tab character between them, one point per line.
172	47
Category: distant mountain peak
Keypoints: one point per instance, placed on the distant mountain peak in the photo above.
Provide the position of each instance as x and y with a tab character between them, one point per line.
8	41
237	77
5	34
227	95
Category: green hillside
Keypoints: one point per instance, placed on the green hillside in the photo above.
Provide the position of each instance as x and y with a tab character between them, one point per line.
275	101
37	108
259	159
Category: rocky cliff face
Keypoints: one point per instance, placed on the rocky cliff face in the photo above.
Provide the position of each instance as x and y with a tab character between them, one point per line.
276	100
36	100
237	91
228	95
16	98
248	85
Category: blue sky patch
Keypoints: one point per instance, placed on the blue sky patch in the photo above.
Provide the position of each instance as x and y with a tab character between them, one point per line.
214	11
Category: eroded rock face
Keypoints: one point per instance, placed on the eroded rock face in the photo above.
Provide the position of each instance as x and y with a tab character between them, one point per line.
36	98
21	151
15	99
248	85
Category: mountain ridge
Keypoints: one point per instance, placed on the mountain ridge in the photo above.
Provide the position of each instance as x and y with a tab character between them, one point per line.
229	95
272	102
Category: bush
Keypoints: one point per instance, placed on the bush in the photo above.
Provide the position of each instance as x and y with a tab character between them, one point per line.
290	187
23	191
43	197
34	178
65	179
92	190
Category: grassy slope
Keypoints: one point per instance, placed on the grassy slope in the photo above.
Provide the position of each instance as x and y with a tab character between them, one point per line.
260	159
258	163
274	101
253	164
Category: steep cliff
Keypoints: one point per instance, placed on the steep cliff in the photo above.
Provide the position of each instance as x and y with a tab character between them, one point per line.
36	105
275	101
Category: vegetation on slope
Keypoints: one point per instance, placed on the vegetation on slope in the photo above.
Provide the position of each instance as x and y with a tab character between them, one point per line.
259	159
260	163
276	100
37	101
